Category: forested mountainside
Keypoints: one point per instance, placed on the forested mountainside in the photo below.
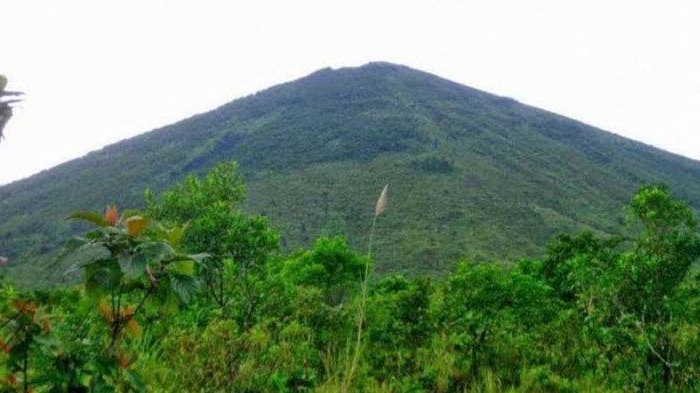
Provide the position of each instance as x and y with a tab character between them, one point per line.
472	174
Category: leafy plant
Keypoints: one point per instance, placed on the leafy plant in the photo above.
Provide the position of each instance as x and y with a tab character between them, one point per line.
23	325
127	261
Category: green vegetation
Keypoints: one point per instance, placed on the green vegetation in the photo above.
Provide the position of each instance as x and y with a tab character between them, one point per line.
474	176
194	294
6	103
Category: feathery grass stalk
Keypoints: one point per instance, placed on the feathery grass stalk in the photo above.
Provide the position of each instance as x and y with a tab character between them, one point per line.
379	208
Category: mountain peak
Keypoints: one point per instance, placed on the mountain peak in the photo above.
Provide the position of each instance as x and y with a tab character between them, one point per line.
370	66
384	65
374	69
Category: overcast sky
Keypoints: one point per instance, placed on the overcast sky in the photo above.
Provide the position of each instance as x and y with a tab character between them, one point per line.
96	72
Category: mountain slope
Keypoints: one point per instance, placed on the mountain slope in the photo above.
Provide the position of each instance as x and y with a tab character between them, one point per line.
471	174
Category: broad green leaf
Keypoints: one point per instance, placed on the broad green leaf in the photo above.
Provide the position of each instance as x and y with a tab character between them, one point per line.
86	254
174	235
185	268
74	243
89	216
146	253
183	286
159	230
132	267
198	257
154	252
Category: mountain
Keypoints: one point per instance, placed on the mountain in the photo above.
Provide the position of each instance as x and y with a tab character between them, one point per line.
470	174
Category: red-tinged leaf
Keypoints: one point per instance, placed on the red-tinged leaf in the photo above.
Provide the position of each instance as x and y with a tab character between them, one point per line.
111	215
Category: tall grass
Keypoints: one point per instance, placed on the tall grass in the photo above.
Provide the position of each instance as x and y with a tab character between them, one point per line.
378	209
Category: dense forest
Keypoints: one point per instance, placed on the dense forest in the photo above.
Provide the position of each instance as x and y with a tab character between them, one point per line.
474	175
192	293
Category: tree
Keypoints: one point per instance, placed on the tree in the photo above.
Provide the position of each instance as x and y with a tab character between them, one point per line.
625	292
488	309
237	244
5	103
330	266
400	324
665	246
649	276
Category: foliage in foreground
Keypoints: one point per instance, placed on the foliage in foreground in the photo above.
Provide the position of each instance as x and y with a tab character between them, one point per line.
193	295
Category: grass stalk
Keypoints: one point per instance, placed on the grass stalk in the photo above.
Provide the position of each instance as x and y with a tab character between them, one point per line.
347	381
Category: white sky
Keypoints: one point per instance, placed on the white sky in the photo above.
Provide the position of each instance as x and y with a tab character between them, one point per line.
96	72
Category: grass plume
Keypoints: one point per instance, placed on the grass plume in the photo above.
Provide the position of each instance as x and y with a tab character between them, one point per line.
378	210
